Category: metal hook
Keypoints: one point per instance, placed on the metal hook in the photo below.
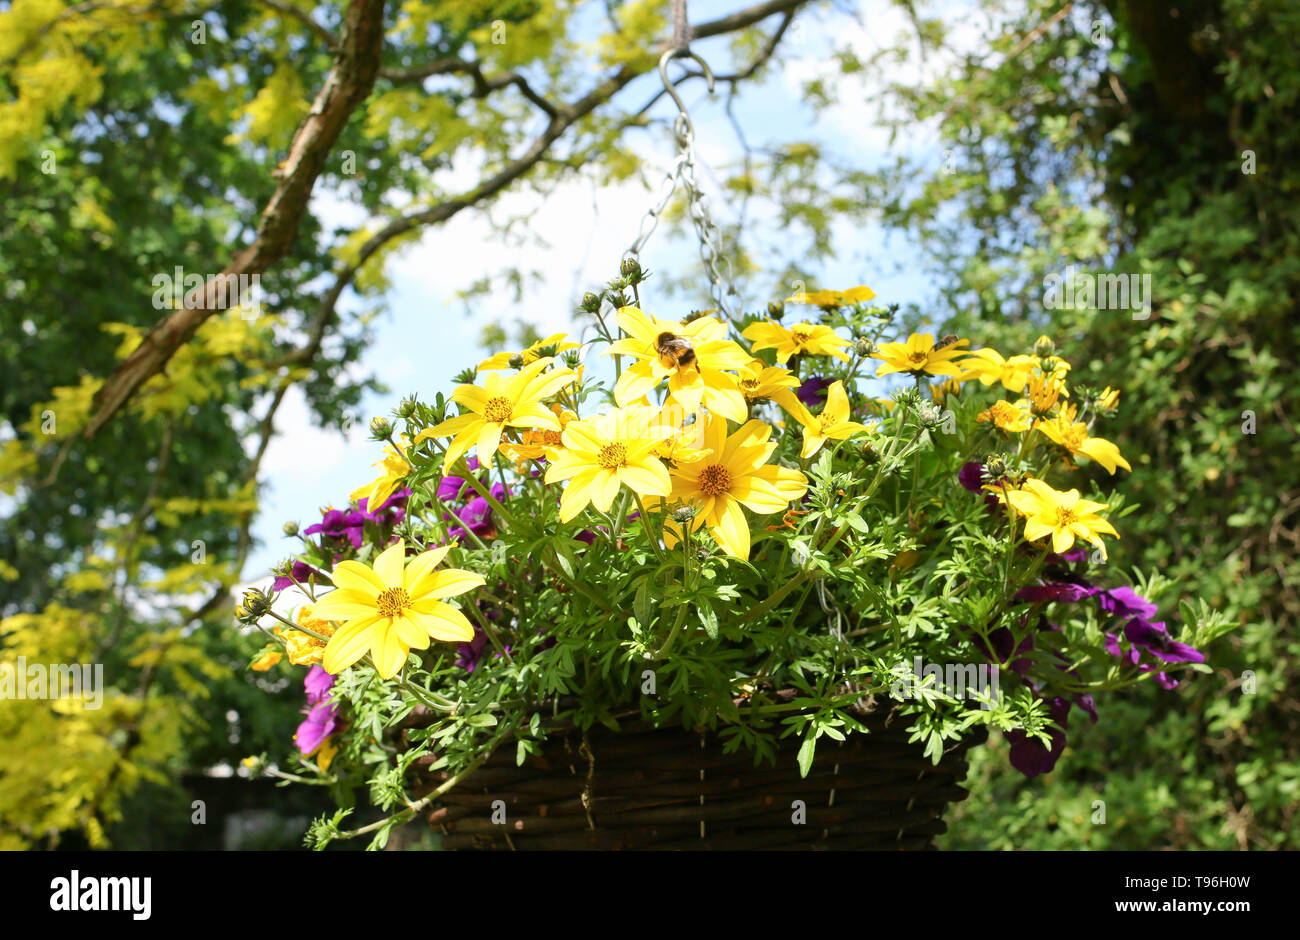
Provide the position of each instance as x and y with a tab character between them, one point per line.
681	53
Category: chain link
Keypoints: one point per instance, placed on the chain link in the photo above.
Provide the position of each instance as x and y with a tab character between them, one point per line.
683	173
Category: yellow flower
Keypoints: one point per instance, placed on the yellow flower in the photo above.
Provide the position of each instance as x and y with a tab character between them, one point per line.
802	338
680	435
603	454
988	366
940	391
530	355
265	660
392	608
691	356
833	298
1008	417
832	424
302	648
735	474
919	354
1045	389
1062	515
1108	400
515	402
536	443
1073	436
324	754
394	469
760	382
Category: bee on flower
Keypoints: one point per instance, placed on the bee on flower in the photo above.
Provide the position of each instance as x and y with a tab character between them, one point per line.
696	358
920	355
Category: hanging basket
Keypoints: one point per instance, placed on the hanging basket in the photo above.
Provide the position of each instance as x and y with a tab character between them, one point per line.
644	788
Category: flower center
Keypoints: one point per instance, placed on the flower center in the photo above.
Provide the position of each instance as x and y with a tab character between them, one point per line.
393	601
498	410
800	336
826	422
552	438
1075	435
918	358
612	456
715	479
1065	517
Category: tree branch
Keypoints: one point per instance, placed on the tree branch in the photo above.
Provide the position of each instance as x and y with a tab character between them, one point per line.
349	82
347	85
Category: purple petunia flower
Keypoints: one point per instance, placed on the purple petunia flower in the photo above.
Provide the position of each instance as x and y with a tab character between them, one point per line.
1058	591
471	653
318	684
340	524
1154	638
390	510
301	573
814	390
1028	755
321	717
476	515
1126	602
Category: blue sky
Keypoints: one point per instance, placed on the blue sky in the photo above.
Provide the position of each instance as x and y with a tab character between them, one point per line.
425	337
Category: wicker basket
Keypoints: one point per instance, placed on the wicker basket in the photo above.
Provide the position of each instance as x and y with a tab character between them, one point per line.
646	788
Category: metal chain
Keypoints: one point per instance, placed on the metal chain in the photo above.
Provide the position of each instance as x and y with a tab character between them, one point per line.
683	173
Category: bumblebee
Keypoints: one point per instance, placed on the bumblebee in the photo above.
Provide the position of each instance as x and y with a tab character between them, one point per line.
676	348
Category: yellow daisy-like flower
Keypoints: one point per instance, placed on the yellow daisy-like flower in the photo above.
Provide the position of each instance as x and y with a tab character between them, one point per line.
832	424
1007	416
392	608
393	470
735	474
680	435
501	403
692	356
1062	515
530	355
536	443
1045	389
265	660
760	382
1073	436
988	366
800	339
833	298
302	648
920	355
1108	400
604	453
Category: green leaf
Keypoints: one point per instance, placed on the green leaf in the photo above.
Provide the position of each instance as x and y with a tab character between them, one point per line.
806	752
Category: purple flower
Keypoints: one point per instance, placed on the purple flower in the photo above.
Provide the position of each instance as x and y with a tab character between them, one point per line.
318	726
1058	591
1126	602
971	476
476	515
471	653
320	721
1028	755
390	511
814	390
452	489
1154	638
301	573
340	524
318	684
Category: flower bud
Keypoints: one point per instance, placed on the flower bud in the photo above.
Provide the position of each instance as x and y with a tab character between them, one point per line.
863	346
255	604
631	271
570	359
1044	347
291	528
995	467
776	310
683	514
516	361
380	428
408	407
591	302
